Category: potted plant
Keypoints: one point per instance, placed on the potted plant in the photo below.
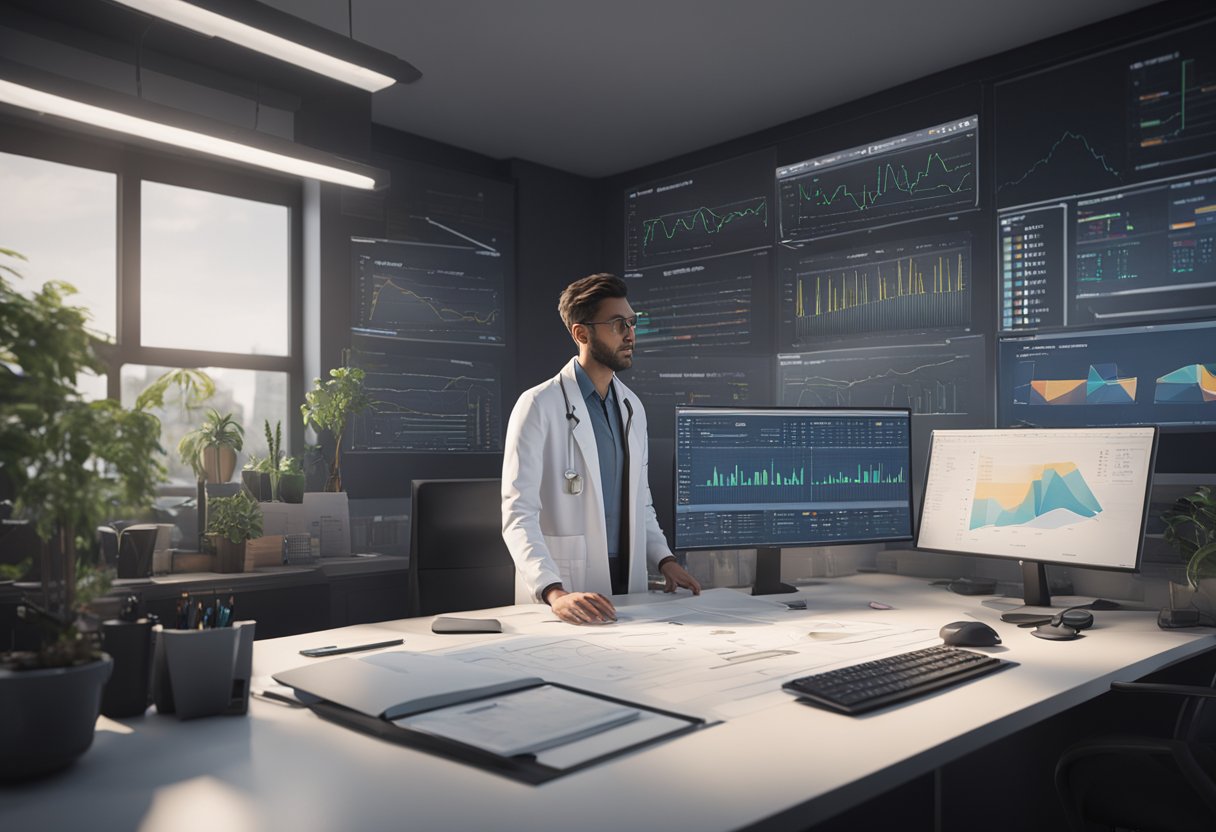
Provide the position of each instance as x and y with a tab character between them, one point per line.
291	480
274	442
233	521
329	406
1190	527
210	449
255	478
68	463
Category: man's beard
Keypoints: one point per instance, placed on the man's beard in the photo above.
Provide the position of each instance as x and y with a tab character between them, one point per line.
614	361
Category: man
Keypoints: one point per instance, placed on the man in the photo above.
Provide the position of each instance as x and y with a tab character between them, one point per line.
576	507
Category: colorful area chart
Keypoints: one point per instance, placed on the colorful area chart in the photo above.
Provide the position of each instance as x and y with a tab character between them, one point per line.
1046	488
1187	385
1102	386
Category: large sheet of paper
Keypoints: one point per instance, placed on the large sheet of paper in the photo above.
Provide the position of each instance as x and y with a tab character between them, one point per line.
718	655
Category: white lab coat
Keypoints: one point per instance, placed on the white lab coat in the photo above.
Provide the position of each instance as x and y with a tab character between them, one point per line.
555	536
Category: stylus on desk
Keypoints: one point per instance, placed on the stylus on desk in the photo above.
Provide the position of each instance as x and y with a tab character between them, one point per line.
331	650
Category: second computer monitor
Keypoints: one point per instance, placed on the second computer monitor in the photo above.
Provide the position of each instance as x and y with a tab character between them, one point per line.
767	478
1074	496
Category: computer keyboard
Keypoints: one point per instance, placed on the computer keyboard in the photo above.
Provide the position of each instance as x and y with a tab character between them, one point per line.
864	687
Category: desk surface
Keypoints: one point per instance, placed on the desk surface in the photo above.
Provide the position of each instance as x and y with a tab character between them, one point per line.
785	767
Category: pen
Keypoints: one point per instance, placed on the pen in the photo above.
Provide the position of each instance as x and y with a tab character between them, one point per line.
332	650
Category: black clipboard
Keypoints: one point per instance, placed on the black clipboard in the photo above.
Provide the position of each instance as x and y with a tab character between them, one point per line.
524	768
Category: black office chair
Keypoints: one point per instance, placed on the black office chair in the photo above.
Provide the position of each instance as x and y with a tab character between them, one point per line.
1146	783
458	560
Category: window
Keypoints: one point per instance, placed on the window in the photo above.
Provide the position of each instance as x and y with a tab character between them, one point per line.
64	219
216	272
181	263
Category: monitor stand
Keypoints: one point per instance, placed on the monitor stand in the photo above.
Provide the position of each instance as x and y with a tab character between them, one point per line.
768	573
1034	584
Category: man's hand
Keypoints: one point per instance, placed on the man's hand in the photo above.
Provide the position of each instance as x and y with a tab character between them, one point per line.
677	576
581	607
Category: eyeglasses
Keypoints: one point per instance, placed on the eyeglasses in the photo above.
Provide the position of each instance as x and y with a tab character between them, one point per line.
618	324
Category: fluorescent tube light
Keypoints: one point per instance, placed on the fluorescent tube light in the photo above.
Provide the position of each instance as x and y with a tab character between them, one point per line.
370	70
148	122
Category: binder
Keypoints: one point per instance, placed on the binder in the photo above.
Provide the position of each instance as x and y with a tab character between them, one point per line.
430	703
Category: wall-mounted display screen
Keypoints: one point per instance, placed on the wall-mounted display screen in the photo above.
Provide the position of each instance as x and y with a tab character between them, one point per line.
1109	120
925	173
910	284
707	212
425	292
718	304
931	376
1162	374
428	404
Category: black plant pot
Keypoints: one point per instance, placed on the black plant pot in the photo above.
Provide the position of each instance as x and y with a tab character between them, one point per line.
257	483
47	716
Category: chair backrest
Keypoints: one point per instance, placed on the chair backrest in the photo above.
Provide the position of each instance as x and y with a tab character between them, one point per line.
458	560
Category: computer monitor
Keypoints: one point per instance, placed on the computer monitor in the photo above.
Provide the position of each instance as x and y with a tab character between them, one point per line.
766	478
1071	496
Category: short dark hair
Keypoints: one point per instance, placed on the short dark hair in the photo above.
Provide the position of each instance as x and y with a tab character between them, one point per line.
579	300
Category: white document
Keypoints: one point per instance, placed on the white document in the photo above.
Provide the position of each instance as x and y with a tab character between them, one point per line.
523	722
329	519
399	683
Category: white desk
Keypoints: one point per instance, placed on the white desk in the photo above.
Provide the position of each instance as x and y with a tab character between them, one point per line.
792	765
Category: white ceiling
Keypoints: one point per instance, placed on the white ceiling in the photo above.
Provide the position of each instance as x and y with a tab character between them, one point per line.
597	88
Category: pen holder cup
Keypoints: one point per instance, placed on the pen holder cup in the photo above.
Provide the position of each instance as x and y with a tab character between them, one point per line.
203	672
129	643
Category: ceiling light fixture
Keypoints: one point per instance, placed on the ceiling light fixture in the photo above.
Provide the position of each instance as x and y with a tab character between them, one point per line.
267	30
31	90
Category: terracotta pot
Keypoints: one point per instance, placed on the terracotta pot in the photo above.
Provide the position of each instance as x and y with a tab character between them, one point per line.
218	463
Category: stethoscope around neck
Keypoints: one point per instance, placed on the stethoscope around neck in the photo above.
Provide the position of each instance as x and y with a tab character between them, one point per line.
573	479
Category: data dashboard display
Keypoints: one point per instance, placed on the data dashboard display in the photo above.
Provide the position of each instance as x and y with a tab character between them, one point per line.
931	376
424	292
664	383
925	173
717	304
785	477
1145	252
911	284
1075	497
450	208
1162	374
437	405
719	209
1110	120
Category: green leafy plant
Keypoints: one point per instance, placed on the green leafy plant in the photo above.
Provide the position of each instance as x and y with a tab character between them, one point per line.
217	430
237	518
291	465
194	388
1190	526
274	441
329	406
69	463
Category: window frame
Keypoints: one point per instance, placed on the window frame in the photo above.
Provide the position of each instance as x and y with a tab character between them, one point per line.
132	166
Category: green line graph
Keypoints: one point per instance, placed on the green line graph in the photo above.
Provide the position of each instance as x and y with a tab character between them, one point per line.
702	219
887	178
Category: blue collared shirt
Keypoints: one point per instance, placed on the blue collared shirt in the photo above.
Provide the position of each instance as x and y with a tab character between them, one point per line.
605	416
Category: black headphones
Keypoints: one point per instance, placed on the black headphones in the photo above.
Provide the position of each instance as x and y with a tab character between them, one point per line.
1064	625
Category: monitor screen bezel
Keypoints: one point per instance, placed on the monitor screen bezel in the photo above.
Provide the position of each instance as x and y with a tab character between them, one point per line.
905	412
1144	511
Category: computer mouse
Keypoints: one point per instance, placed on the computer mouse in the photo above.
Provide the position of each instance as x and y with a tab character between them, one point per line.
969	634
